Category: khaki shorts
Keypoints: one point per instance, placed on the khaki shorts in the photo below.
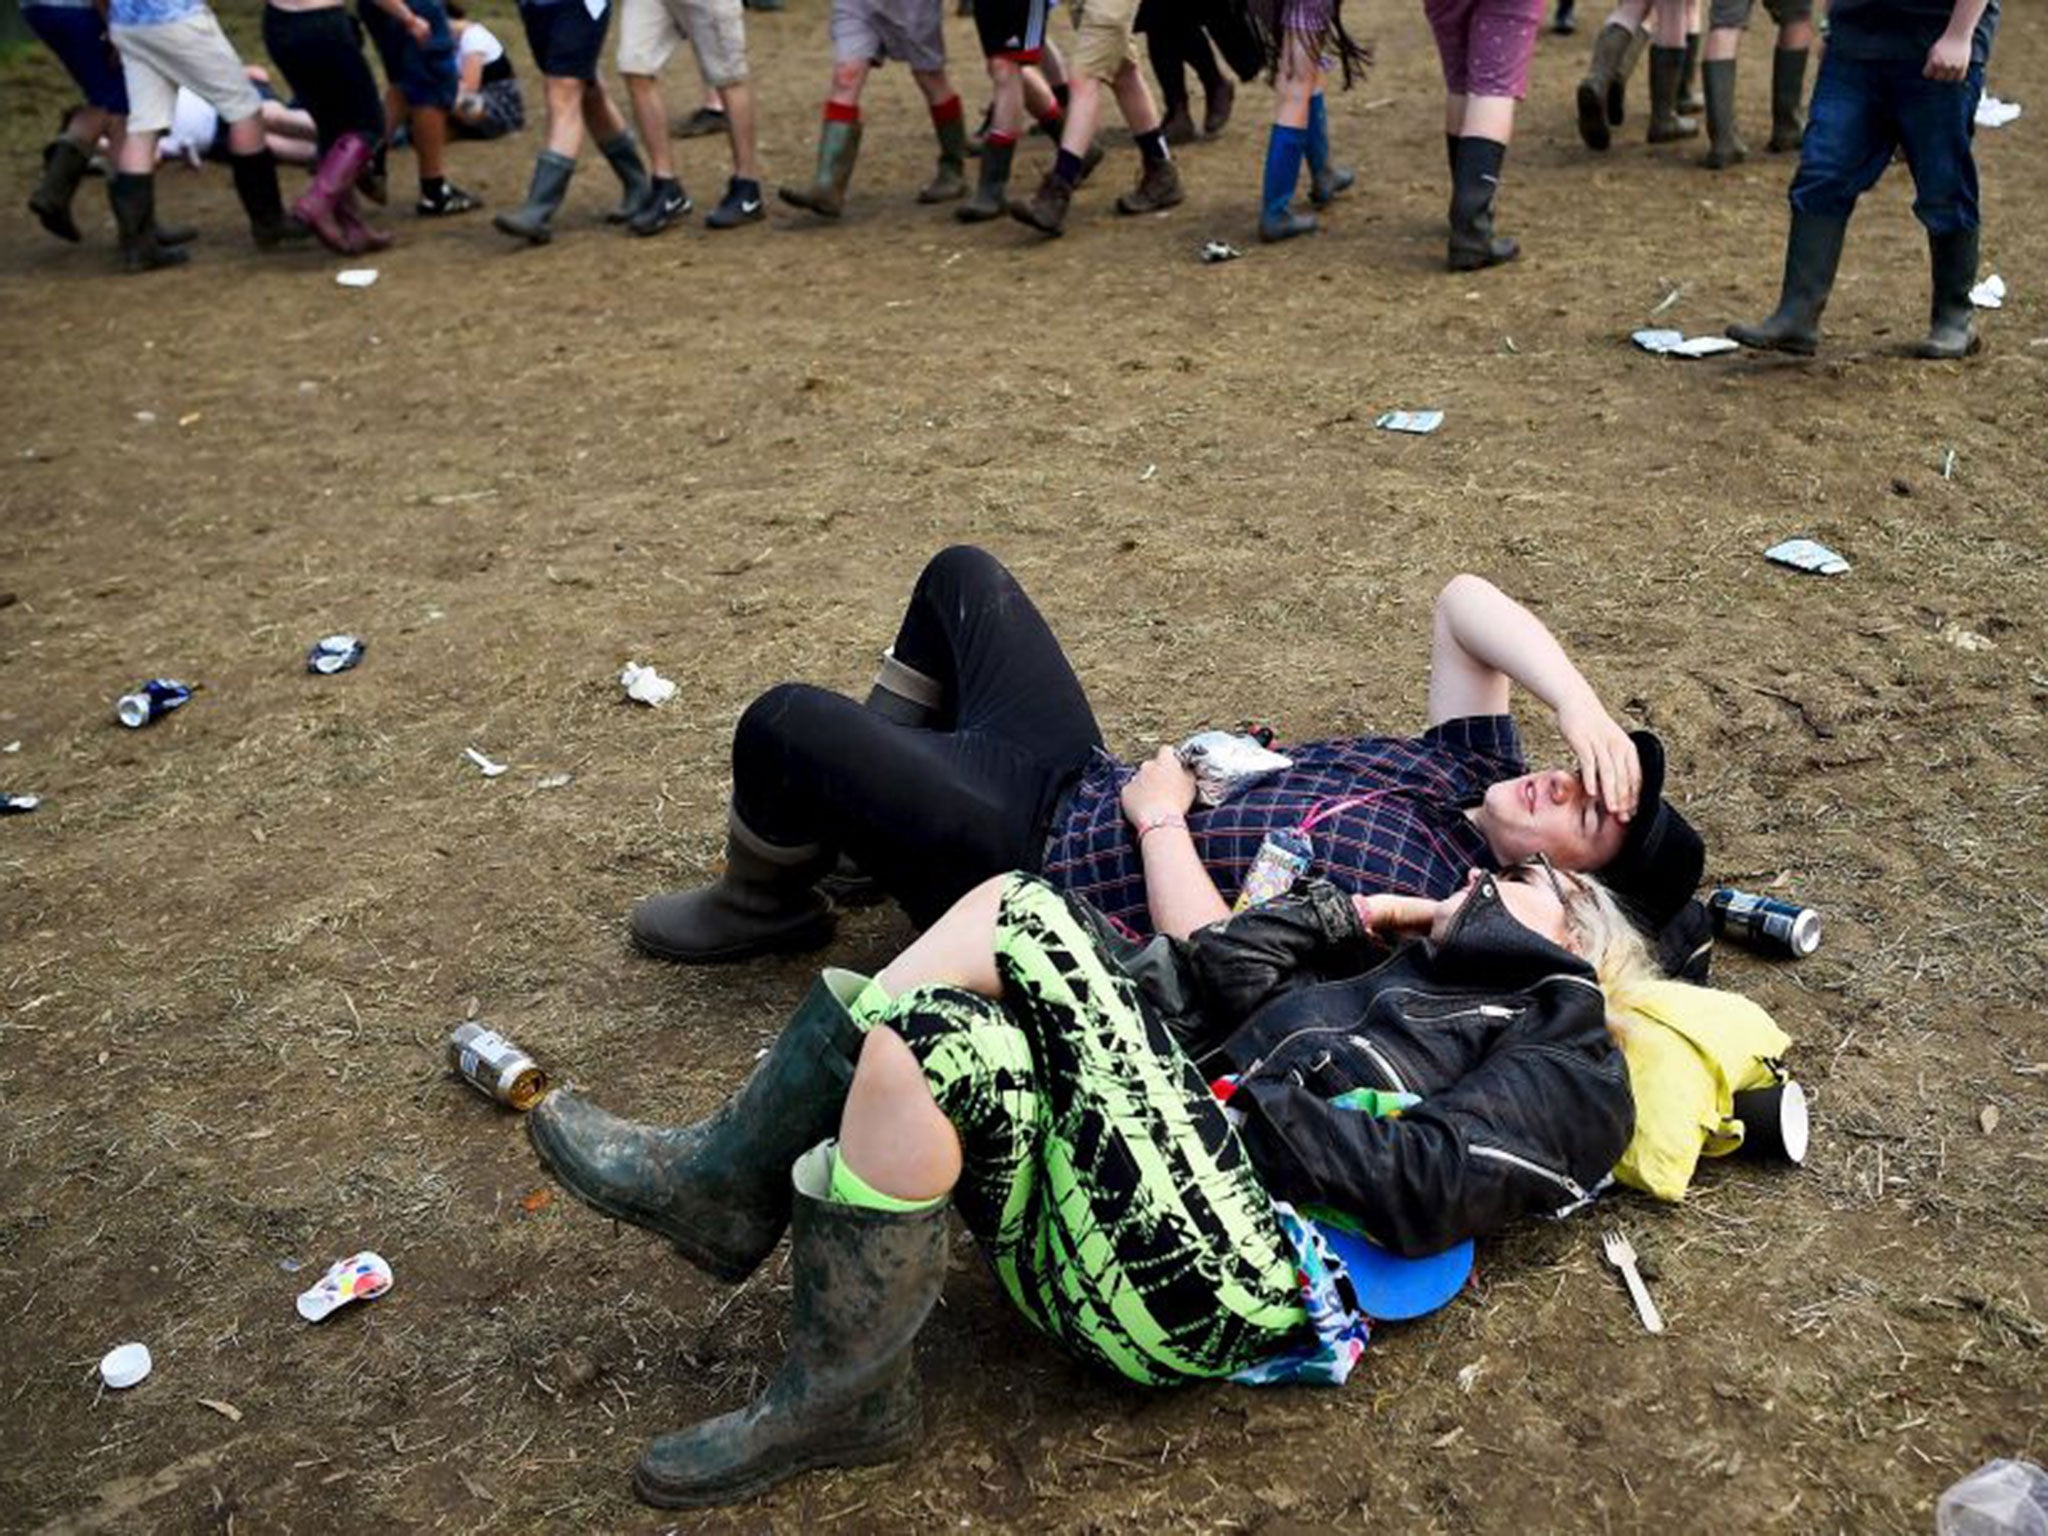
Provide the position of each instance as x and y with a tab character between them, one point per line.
191	51
650	30
1104	42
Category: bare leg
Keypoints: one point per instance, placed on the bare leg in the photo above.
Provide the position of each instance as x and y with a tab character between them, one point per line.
1084	108
136	155
933	82
1006	105
246	137
1668	26
739	128
891	1133
1489	117
958	950
650	114
1134	98
848	76
565	115
600	115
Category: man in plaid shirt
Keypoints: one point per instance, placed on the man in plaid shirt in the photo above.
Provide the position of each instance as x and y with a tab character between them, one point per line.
976	753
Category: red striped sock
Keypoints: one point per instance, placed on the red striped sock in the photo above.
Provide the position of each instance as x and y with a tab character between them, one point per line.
838	112
947	111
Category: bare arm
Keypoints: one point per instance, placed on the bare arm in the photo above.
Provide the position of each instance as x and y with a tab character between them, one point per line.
1178	891
1485	641
1949	58
472	73
402	13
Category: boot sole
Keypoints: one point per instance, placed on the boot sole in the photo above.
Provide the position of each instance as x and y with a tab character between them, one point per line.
813	933
731	1271
1593	127
1791	347
649	1487
803	201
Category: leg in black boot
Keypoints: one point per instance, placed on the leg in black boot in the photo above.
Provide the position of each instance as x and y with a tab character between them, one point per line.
1476	179
134	201
1813	250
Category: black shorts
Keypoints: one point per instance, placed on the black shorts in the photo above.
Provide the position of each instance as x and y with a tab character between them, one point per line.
566	39
1011	29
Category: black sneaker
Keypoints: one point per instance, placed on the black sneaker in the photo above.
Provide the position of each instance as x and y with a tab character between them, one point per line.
703	121
450	201
738	206
666	202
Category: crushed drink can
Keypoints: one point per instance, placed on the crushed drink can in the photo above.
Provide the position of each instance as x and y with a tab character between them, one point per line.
150	702
1764	923
335	653
495	1067
1283	858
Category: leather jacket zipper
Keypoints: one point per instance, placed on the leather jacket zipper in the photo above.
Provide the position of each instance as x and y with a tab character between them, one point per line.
1500	1155
1384	1062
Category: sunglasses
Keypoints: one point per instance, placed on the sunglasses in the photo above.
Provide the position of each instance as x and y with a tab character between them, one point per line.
1565	887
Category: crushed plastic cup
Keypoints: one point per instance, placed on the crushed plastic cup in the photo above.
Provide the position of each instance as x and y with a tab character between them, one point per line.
126	1365
355	1278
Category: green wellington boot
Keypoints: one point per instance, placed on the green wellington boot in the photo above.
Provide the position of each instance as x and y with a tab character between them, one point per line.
533	220
719	1189
838	149
949	179
1788	94
1813	250
862	1284
1724	136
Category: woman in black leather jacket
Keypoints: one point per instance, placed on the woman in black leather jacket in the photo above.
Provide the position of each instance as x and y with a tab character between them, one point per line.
1125	1129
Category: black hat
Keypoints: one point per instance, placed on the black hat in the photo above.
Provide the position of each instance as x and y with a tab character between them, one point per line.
1661	858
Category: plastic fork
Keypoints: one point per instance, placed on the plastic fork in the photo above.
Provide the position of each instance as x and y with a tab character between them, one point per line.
1621	1253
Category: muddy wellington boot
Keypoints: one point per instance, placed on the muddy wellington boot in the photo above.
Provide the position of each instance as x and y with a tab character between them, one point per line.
900	692
533	220
1473	243
1952	331
862	1284
992	187
1724	137
64	167
134	203
719	1189
256	185
838	149
765	902
949	176
1610	49
1158	188
1788	95
622	151
1667	123
1813	250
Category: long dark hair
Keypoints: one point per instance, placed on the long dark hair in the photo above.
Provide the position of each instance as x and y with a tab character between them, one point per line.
1272	22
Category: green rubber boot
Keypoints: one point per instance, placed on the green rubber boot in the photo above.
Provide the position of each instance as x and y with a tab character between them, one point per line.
992	193
1788	95
838	149
1724	136
719	1189
862	1284
533	220
949	179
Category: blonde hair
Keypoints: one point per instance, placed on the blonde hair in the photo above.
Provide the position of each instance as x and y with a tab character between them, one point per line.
1612	945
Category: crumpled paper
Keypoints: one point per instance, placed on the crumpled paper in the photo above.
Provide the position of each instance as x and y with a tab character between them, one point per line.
645	685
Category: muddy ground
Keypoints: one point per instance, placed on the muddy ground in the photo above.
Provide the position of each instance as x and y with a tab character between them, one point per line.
231	945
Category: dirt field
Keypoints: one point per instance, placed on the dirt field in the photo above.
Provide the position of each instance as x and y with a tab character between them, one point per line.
231	945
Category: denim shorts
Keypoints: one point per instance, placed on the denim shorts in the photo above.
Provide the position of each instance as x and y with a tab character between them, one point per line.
78	36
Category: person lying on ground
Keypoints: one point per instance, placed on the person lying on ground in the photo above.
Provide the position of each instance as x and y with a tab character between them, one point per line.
1053	1081
976	752
488	101
197	134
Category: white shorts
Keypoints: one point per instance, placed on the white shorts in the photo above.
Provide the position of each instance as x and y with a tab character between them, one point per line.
191	51
650	30
913	31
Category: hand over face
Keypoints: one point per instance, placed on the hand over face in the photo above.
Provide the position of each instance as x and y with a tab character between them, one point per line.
1609	765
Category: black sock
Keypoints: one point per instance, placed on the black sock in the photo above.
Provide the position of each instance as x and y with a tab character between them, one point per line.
1066	166
433	188
1152	145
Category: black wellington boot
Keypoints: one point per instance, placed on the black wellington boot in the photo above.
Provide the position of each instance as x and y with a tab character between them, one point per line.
719	1189
1725	146
1689	100
64	167
1951	331
765	902
1477	178
862	1284
1610	49
533	220
256	185
1813	250
1788	94
134	202
991	198
1667	123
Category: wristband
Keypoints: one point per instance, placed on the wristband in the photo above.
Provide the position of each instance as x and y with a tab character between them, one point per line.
1170	819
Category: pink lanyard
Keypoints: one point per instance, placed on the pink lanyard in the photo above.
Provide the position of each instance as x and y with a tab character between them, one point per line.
1325	809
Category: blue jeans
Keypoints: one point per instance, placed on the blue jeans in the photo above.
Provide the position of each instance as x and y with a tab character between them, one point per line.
1865	109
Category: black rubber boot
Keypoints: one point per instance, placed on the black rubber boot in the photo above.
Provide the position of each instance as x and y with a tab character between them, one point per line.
1610	48
719	1189
838	149
256	185
766	901
622	150
862	1284
1475	181
64	167
1952	330
1690	101
949	177
1788	99
532	220
991	198
134	202
1725	146
1667	123
1813	250
1617	89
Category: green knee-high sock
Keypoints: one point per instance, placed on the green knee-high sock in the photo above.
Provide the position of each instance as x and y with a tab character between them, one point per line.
849	1188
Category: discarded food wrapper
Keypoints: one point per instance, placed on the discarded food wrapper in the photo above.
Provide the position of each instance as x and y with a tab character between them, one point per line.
1989	294
355	1278
1669	343
150	701
18	805
125	1365
336	653
1220	250
356	277
491	769
1993	113
555	781
1410	421
1808	555
1224	762
646	685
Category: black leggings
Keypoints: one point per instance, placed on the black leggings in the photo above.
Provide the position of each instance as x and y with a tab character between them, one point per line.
930	812
321	55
